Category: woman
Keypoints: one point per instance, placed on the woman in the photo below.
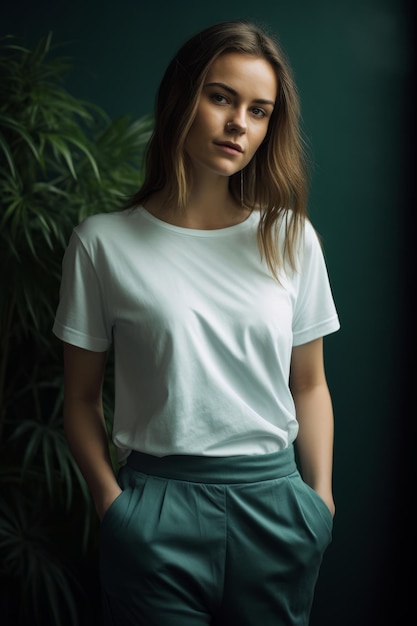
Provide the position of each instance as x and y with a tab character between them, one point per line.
213	288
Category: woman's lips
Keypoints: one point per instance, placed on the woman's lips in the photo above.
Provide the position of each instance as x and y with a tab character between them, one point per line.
230	148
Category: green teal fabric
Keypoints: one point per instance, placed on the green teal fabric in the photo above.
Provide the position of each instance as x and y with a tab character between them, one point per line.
197	540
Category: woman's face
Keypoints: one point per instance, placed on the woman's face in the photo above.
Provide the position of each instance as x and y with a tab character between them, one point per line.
233	114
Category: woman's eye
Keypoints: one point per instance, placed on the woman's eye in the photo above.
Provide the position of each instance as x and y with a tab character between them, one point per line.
218	98
258	112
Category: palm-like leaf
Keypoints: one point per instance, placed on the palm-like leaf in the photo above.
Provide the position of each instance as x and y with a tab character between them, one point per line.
61	159
28	558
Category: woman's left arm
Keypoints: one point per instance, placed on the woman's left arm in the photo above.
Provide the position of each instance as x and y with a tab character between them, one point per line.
315	417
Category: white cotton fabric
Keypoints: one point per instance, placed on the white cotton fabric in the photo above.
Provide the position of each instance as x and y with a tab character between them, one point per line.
202	332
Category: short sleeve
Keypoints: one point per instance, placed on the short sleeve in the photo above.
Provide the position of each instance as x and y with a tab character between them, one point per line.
315	312
81	318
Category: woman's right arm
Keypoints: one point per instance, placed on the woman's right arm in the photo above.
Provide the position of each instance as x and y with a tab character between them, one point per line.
84	424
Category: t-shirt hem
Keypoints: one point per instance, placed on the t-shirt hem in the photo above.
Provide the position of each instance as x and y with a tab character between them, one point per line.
314	332
75	338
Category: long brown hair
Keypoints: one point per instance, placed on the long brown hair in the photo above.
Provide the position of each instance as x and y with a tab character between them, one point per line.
275	180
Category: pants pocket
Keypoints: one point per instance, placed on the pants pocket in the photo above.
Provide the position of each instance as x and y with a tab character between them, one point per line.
121	508
312	512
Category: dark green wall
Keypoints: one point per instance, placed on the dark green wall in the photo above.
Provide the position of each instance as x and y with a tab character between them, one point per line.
352	61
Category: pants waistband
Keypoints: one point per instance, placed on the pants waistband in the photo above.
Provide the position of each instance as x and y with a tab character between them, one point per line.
206	469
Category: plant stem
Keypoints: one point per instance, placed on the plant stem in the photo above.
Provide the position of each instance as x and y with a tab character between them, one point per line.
6	325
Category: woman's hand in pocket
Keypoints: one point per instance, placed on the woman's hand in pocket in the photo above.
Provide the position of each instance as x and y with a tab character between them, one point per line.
328	500
106	500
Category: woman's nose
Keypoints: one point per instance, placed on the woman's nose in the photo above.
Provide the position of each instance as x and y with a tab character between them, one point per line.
237	123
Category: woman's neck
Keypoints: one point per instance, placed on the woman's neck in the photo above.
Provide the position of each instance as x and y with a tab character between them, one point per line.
208	207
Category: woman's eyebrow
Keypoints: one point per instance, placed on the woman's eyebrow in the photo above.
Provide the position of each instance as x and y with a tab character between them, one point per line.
233	92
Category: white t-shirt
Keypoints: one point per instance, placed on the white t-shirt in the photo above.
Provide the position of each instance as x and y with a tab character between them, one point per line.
202	332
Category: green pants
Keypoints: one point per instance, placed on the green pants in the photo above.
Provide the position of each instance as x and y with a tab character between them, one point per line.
221	541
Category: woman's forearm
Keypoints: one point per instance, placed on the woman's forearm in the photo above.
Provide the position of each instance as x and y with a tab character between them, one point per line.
87	439
315	439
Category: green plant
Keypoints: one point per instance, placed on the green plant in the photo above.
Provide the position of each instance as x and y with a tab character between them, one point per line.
61	159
